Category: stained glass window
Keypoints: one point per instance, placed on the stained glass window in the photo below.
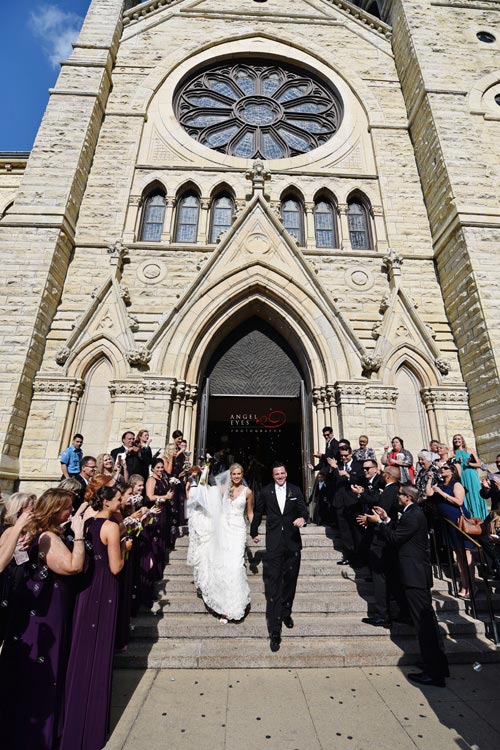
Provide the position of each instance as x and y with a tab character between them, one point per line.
324	224
153	217
222	216
257	110
357	219
291	211
187	219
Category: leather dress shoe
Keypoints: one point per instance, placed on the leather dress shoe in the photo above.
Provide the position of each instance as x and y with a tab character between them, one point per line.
343	562
288	621
275	642
423	678
377	622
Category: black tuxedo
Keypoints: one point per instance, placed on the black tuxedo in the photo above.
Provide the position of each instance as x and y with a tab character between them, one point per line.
409	535
493	492
382	556
283	545
347	506
133	460
331	451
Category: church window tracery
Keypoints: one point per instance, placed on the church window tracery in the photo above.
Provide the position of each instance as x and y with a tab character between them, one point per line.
254	110
359	225
324	223
187	218
293	218
153	217
222	216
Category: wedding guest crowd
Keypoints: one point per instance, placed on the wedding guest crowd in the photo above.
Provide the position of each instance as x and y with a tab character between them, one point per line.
76	564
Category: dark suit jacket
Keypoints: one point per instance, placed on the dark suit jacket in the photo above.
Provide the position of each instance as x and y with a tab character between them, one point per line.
279	526
411	538
330	452
344	497
371	493
493	493
133	460
388	500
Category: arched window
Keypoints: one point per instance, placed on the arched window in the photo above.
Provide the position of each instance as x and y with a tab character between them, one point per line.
95	409
291	211
411	420
187	218
153	217
222	216
324	224
359	227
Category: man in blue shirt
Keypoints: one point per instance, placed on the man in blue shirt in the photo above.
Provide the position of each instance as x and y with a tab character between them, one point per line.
71	458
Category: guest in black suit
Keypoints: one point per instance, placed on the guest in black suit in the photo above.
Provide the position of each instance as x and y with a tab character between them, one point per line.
87	473
129	451
382	557
286	512
319	508
347	472
409	535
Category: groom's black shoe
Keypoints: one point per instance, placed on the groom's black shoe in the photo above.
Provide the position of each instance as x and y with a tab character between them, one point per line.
275	642
288	621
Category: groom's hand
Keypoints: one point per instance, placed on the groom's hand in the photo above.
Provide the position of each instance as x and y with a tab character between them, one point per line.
299	522
256	539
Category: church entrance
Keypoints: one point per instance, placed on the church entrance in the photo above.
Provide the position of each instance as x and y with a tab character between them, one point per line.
254	409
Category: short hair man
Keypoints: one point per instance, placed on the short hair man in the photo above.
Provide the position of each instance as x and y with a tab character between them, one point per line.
71	458
87	471
286	512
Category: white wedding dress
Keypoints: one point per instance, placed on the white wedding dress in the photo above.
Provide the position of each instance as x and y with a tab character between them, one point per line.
217	540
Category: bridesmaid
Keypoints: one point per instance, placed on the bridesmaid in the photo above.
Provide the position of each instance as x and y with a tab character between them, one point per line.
88	684
35	652
158	491
469	464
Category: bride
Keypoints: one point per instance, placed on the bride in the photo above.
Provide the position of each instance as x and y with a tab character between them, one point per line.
217	539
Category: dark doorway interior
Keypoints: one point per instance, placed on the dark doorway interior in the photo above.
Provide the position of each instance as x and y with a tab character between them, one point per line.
253	403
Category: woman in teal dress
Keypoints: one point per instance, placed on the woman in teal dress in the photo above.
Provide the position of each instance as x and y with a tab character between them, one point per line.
470	463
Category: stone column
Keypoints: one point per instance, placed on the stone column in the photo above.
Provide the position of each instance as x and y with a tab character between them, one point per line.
204	224
75	394
133	219
310	233
448	410
319	417
181	396
168	228
380	237
189	428
344	238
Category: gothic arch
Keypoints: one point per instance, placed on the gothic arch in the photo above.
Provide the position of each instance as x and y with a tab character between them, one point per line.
410	357
85	356
325	349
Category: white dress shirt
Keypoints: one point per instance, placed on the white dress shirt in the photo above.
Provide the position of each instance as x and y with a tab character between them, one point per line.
281	495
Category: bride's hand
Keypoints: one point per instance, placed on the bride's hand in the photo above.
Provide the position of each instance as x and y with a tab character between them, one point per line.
256	539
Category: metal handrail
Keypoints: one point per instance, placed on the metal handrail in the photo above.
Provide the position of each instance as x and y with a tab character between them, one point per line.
491	626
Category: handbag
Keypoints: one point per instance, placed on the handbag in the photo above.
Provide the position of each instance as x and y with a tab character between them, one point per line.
470	526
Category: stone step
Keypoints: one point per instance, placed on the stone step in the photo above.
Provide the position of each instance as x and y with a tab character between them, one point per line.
307	567
247	653
311	537
184	584
305	602
307	626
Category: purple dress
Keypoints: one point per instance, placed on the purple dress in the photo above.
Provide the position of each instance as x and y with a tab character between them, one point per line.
88	682
34	658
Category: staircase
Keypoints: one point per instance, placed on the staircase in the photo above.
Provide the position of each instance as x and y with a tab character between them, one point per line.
330	602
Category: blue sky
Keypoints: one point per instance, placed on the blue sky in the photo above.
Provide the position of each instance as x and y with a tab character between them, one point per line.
37	34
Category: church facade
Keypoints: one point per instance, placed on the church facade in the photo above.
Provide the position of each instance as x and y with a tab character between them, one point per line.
247	220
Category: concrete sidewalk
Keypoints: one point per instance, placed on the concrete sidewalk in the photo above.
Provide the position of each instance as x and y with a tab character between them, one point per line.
359	708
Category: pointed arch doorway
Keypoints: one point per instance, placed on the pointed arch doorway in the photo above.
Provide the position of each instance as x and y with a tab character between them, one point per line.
254	406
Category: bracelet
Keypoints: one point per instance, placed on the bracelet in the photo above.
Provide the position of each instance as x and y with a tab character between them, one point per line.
79	539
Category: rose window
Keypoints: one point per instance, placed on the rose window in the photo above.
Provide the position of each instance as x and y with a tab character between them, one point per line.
258	111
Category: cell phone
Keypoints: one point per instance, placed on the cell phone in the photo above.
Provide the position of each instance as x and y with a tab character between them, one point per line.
491	476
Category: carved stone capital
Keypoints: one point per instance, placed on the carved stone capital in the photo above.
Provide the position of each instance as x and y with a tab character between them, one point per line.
126	388
316	397
205	203
445	396
62	355
343	208
159	386
371	363
386	395
138	356
348	392
67	389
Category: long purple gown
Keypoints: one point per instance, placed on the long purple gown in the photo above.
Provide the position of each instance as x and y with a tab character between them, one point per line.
88	683
34	658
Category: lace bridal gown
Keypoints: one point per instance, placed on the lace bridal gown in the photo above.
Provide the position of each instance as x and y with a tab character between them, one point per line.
217	540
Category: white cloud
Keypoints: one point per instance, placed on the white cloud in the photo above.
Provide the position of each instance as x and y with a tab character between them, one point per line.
56	29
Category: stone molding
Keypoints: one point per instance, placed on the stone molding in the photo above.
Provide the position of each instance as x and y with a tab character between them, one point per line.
126	388
381	394
445	396
64	389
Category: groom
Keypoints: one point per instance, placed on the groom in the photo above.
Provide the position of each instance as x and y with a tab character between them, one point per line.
286	512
